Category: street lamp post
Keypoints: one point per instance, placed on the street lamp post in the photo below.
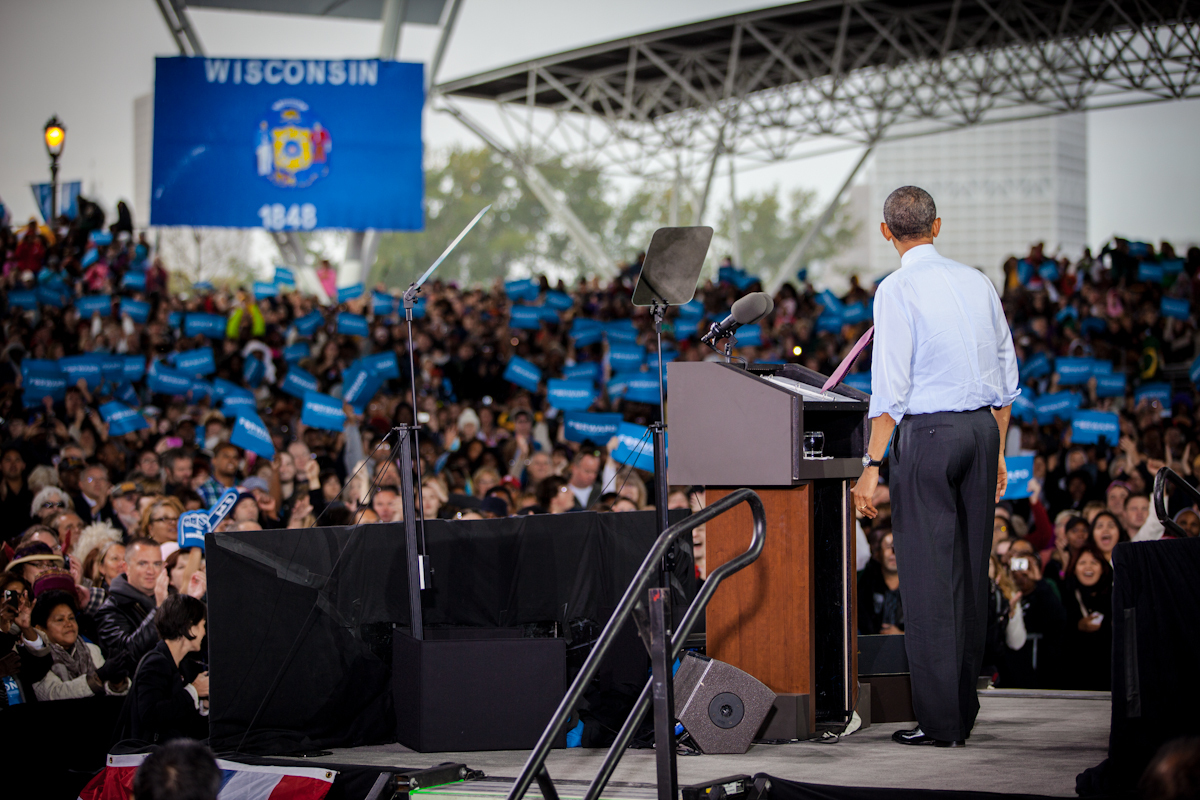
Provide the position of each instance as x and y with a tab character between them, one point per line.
55	137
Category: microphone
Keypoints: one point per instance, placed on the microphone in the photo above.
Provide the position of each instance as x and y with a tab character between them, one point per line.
745	311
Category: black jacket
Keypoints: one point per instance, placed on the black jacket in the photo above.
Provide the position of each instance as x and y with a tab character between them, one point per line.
125	622
159	706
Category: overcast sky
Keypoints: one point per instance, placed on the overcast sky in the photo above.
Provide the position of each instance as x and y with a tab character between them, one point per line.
87	61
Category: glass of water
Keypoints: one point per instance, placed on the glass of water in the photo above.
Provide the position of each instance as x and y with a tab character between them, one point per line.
814	444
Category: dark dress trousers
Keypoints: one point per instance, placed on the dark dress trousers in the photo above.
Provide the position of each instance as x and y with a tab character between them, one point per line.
943	478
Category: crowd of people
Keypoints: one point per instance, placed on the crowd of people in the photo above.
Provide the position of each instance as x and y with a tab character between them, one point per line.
96	584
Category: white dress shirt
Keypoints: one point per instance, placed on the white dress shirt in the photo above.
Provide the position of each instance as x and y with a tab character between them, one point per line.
942	342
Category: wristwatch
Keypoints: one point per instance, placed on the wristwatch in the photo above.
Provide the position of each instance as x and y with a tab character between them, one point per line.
868	462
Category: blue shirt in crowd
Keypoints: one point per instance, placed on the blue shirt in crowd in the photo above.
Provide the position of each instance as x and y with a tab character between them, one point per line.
942	342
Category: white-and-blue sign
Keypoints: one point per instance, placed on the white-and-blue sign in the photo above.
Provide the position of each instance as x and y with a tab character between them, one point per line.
88	367
525	318
134	368
523	373
1036	366
92	304
1059	405
1154	391
580	426
264	290
1149	273
298	382
239	405
249	433
1023	408
322	411
1194	371
1073	371
359	386
636	387
1176	307
851	315
197	362
570	394
137	310
23	298
309	323
860	381
587	369
383	364
525	289
1111	384
1089	427
134	280
626	357
635	446
253	371
209	325
586	331
345	293
297	351
559	301
165	380
383	305
287	144
122	419
192	528
284	276
750	336
1020	470
620	330
41	384
352	324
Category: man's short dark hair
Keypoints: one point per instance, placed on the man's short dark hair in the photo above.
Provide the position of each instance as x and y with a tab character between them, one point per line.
144	541
909	213
177	615
182	769
223	446
169	458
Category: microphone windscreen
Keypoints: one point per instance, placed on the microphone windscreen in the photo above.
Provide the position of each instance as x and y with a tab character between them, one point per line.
752	308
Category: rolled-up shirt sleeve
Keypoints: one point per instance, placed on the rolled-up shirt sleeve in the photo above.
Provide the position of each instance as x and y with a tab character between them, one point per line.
1006	356
891	362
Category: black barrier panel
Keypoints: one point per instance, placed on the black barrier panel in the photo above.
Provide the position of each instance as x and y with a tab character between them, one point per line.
300	651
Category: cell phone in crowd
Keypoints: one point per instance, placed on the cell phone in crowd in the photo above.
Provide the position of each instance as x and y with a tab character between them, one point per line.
1019	564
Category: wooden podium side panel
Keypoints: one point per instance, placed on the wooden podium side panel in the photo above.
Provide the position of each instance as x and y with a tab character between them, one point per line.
761	619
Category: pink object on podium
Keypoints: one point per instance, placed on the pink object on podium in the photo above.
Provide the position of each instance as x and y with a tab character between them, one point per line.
848	361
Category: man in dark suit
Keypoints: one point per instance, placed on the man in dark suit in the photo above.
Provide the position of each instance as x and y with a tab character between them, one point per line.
161	705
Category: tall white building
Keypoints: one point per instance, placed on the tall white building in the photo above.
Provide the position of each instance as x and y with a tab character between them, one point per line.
999	189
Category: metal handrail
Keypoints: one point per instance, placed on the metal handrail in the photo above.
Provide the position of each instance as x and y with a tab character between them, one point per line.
535	766
1160	505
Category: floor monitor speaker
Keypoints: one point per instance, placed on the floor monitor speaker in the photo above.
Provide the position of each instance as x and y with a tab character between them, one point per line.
721	706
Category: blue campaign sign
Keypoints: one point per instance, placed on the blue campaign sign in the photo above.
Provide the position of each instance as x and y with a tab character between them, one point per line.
284	276
860	381
89	258
588	369
134	280
829	322
1060	405
1176	307
523	373
112	368
137	310
580	426
1020	470
641	387
570	394
209	325
548	314
309	323
635	447
224	505
587	334
175	320
525	318
1036	366
23	298
525	289
223	388
38	385
352	324
359	386
620	330
1194	371
1089	427
287	144
1092	326
201	388
192	528
197	362
52	295
852	315
125	393
94	304
383	364
134	368
383	305
626	357
239	405
692	310
253	371
1101	367
1171	266
749	336
122	419
298	382
322	411
88	367
1149	273
1023	408
1073	371
1160	392
297	351
164	380
251	434
559	301
1111	384
264	290
345	293
1048	271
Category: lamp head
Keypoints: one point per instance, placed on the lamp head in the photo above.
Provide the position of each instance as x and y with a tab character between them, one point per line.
55	136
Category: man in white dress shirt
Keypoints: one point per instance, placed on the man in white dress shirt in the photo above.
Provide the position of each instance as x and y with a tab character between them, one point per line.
943	379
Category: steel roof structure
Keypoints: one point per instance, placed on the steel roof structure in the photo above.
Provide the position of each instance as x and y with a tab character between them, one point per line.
764	84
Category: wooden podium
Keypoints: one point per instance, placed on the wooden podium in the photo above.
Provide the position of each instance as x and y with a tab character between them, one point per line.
788	619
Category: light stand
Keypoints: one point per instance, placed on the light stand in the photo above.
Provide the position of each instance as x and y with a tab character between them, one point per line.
55	136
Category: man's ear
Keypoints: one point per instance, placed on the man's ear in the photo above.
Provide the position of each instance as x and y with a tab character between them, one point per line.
886	231
935	228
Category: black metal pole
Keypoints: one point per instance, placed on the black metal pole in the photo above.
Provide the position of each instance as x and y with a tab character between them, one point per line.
53	189
658	432
664	695
407	434
415	463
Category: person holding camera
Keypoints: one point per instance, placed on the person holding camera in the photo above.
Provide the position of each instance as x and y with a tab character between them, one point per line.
1087	598
79	668
1037	665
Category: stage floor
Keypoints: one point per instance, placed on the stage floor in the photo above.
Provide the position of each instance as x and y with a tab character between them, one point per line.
1024	742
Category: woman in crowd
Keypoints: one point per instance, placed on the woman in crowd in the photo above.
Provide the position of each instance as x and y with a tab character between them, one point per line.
104	563
162	705
160	522
1107	533
1067	545
554	495
79	668
1087	598
176	566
